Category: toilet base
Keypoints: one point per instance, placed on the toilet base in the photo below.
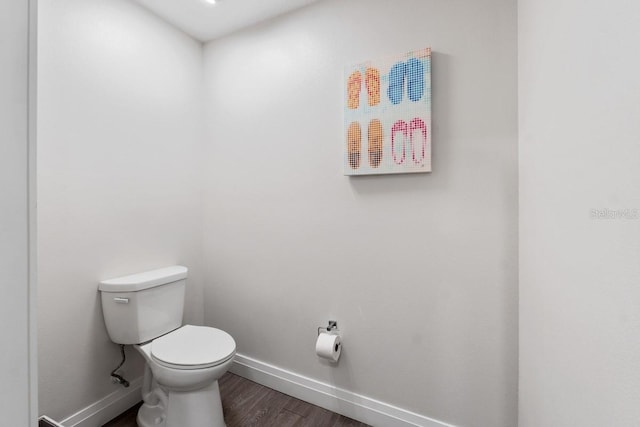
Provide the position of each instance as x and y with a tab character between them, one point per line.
184	409
151	416
195	408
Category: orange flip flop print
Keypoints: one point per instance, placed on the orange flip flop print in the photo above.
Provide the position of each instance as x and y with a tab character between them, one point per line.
372	81
375	138
354	84
354	144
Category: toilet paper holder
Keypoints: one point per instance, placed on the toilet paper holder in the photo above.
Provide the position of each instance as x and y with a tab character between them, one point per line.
331	327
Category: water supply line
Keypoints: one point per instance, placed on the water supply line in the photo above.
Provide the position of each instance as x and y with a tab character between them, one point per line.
117	378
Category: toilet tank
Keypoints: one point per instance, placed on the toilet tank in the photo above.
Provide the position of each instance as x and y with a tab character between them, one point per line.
140	307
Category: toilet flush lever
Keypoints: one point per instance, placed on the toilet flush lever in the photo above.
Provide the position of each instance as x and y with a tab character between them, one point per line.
119	300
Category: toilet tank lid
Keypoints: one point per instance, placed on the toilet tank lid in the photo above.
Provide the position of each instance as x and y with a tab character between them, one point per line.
148	279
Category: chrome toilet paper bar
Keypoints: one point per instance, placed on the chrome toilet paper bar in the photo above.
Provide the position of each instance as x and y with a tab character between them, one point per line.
331	327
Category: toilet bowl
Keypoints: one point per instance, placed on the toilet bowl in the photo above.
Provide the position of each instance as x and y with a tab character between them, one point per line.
186	365
183	363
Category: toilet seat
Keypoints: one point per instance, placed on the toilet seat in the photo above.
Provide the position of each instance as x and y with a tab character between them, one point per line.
193	347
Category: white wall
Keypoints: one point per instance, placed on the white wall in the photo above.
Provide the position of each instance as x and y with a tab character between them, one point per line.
18	391
420	271
579	132
119	145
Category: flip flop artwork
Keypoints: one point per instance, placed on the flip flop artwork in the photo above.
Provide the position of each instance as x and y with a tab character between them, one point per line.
390	100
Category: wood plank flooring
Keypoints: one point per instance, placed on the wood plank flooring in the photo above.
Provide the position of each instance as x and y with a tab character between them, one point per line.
246	403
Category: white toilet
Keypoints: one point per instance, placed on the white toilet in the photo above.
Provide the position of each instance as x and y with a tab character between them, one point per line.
184	363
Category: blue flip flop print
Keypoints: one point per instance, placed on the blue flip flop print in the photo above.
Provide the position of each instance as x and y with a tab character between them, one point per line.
396	82
415	79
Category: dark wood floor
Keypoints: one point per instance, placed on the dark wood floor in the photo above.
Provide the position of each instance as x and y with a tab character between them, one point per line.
246	403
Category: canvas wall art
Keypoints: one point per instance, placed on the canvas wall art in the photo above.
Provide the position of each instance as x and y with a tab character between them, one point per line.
388	115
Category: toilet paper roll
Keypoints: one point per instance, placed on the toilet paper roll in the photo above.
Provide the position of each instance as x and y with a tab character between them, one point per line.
328	346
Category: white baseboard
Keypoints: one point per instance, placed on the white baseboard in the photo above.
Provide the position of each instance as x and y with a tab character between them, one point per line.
107	408
349	404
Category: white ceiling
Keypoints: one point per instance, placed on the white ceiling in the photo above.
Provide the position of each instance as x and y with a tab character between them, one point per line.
205	22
